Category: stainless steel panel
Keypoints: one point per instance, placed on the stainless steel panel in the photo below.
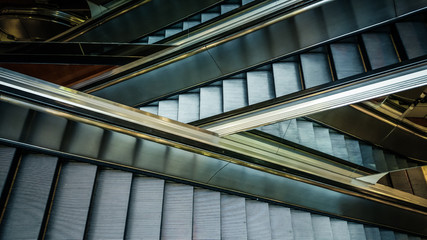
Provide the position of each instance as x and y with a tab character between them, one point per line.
145	208
188	107
302	225
400	180
228	7
404	6
413	146
372	233
315	69
340	229
347	59
118	147
233	218
357	231
12	120
391	161
339	147
380	49
258	220
235	94
418	181
306	133
401	236
323	139
413	35
47	131
150	109
143	20
260	86
401	162
84	139
207	214
28	199
109	206
208	16
71	202
321	226
290	130
368	156
380	162
6	158
281	223
387	235
177	217
353	150
286	78
210	101
169	109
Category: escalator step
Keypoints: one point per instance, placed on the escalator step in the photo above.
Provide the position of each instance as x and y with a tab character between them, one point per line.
380	49
387	235
172	31
306	133
321	226
228	7
367	156
272	129
208	16
413	36
28	199
154	39
6	159
109	205
84	139
258	220
401	162
189	24
347	59
290	130
177	218
118	147
207	214
71	201
150	109
302	225
47	131
188	107
235	94
210	101
286	78
372	233
260	86
12	121
340	229
233	217
357	231
281	223
391	161
353	149
401	236
379	158
339	147
145	208
169	109
315	69
323	140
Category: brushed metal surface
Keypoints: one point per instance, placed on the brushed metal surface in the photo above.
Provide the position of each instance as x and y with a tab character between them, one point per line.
234	94
83	139
12	120
306	133
379	158
28	199
391	161
177	216
109	206
145	208
6	158
169	109
281	223
150	109
258	220
418	181
347	59
338	145
206	214
118	147
323	139
357	231
387	234
286	78
372	233
380	49
71	202
403	6
302	225
260	86
353	150
233	217
340	229
315	69
321	226
210	101
188	107
413	35
47	131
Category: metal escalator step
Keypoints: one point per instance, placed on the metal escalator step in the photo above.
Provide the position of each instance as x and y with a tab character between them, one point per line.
339	147
272	129
387	235
301	225
109	205
71	201
177	218
233	217
235	94
367	156
23	217
413	36
340	229
154	39
372	233
258	220
401	162
391	161
12	121
306	133
208	16
323	139
354	152
315	69
207	214
246	1
118	147
286	78
400	180
401	236
210	101
260	86
188	107
83	139
414	238
357	231
6	159
379	158
189	24
151	109
281	223
47	131
168	109
321	226
145	208
172	31
228	7
380	49
290	130
347	59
